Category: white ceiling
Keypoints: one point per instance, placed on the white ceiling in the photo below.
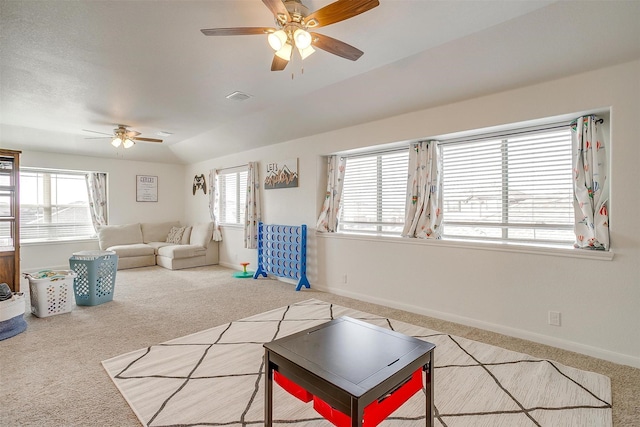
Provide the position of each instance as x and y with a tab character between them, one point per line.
66	66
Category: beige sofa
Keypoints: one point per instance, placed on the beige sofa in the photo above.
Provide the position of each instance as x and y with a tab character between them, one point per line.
145	244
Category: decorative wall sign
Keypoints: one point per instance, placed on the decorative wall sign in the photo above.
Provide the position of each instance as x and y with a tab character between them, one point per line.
199	183
146	188
282	174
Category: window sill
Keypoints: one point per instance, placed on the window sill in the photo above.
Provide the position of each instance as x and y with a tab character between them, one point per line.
59	241
232	226
499	247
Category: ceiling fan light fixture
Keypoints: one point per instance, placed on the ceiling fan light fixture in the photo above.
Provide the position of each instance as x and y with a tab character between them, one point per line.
293	21
311	23
277	40
285	52
302	38
304	53
128	143
116	141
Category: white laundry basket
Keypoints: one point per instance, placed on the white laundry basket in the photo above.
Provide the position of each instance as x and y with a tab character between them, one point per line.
51	292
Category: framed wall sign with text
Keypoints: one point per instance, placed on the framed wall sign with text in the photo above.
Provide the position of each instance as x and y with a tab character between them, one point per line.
282	174
146	188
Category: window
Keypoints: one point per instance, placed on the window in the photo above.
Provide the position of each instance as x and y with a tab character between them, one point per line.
515	188
374	192
233	190
54	205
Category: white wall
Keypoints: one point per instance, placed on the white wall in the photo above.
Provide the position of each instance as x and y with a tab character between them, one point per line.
123	207
508	292
282	206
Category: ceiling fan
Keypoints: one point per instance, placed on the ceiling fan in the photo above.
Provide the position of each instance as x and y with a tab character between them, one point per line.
121	135
293	22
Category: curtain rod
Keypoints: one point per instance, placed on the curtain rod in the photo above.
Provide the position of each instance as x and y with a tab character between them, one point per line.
52	170
564	124
507	132
598	121
231	167
374	153
517	131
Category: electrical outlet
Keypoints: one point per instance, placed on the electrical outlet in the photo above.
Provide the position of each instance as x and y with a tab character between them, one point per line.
554	318
344	279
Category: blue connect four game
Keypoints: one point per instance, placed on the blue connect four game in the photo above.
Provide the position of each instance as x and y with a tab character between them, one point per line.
282	252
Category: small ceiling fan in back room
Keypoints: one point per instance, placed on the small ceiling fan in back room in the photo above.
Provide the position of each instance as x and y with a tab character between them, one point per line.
122	135
293	24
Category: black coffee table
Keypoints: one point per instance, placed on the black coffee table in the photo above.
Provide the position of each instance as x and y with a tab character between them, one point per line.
348	364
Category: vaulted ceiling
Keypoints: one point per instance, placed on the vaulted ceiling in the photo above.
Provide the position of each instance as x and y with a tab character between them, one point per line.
66	66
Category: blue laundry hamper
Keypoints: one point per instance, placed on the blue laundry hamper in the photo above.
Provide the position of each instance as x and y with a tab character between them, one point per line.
96	276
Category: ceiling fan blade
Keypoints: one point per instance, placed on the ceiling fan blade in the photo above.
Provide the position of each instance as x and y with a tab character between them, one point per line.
278	9
278	64
339	11
137	138
93	131
132	133
237	31
335	46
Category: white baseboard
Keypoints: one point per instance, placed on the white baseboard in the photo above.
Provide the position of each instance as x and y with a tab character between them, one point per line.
599	353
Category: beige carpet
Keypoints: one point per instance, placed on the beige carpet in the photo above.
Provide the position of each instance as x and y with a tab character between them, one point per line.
51	375
216	377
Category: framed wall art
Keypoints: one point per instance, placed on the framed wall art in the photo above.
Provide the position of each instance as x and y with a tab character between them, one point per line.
283	174
146	188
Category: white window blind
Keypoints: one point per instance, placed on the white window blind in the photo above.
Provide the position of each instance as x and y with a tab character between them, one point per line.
54	205
514	188
374	191
233	190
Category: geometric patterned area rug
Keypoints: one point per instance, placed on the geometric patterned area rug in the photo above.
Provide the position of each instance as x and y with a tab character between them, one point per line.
216	378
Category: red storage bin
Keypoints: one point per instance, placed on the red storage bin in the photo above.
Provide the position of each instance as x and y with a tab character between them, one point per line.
291	387
378	410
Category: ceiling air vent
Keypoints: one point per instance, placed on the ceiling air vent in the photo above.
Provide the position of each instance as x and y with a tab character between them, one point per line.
238	96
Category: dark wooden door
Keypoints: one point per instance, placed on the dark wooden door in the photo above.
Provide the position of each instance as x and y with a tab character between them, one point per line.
10	218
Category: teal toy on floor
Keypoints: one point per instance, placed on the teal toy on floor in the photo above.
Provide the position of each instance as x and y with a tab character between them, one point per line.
244	274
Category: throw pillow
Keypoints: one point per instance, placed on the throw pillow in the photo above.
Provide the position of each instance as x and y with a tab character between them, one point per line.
175	235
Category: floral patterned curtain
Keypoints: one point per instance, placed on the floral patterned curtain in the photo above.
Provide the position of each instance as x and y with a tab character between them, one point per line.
213	203
97	191
328	219
591	194
423	210
252	211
